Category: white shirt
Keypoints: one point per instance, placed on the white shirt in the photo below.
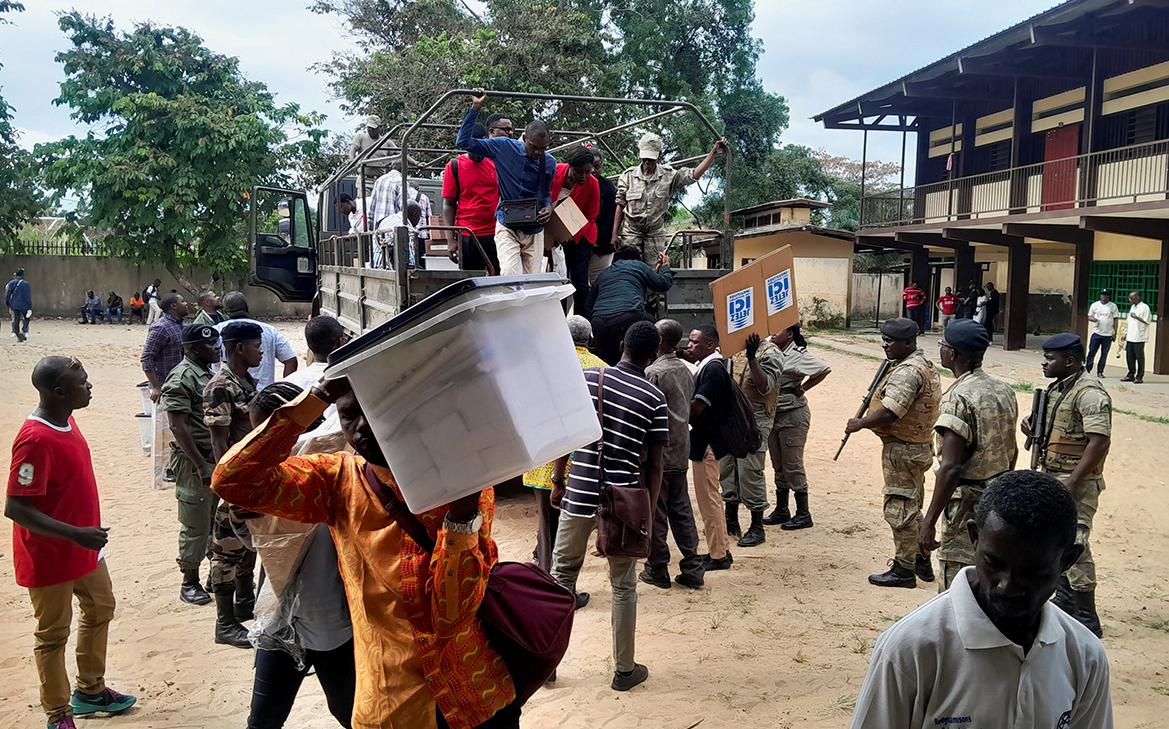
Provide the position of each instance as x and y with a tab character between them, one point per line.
947	665
275	347
1138	332
357	217
1105	316
306	377
386	235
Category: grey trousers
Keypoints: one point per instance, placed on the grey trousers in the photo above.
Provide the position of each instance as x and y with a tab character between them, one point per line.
572	541
674	514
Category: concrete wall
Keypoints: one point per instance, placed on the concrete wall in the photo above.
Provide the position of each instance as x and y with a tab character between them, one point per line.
59	284
823	268
864	297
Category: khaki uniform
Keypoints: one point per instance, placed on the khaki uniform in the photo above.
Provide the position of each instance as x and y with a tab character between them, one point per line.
225	404
793	418
982	410
911	390
1076	407
646	200
742	479
182	393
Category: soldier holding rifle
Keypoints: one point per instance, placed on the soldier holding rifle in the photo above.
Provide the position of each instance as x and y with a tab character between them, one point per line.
903	413
1072	446
975	441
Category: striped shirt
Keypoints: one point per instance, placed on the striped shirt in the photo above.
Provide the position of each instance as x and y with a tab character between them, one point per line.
635	419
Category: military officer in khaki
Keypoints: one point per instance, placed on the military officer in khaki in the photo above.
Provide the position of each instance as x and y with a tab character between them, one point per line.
192	459
1073	447
644	193
758	370
903	413
975	439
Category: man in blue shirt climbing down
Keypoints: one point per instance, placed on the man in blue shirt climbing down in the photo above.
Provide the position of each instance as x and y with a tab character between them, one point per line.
524	170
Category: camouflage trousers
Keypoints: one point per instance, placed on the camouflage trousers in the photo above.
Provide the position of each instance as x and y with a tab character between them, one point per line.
650	244
1082	575
232	554
196	504
955	549
904	466
742	479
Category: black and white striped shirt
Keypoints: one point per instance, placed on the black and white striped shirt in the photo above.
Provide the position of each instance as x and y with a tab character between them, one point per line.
635	419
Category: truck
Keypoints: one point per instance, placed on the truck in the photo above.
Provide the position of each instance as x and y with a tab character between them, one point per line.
319	260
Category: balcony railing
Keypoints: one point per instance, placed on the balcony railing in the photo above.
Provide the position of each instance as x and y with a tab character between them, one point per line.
1139	173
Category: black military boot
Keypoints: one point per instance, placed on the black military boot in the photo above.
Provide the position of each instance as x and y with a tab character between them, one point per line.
897	576
924	568
780	513
245	598
192	592
1065	596
1086	611
755	534
733	528
803	517
228	631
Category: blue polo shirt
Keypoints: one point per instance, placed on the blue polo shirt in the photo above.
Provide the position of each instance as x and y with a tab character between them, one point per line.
517	173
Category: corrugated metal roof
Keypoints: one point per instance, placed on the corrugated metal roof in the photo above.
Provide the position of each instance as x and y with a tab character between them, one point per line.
795	202
1069	10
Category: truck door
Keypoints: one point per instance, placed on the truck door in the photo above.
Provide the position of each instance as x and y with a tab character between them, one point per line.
283	251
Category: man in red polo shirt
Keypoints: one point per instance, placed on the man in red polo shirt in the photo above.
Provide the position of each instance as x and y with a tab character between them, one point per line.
914	298
470	195
58	544
948	307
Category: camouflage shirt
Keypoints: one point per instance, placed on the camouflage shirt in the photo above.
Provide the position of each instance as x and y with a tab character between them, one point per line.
1086	408
772	363
911	391
647	199
225	403
982	410
183	393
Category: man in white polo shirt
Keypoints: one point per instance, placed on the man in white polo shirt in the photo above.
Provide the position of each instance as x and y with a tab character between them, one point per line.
992	652
1139	316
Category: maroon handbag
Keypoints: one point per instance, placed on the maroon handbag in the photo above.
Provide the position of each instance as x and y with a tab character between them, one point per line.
526	614
624	513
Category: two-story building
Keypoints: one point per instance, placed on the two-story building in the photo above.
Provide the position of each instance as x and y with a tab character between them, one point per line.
1042	163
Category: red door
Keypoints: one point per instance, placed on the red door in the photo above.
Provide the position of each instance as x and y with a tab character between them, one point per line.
1059	177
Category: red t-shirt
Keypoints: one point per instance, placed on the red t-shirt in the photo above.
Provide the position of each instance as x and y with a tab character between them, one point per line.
913	297
53	466
948	304
477	193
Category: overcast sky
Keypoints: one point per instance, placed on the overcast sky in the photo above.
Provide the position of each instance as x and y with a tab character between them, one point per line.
818	53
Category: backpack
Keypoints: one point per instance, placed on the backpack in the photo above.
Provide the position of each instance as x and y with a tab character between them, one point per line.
738	430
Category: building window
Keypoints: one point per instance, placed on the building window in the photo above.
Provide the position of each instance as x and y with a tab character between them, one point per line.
1135	126
1120	277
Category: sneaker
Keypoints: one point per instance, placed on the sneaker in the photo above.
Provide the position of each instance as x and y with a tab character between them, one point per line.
108	702
61	721
657	578
625	680
1138	381
1126	378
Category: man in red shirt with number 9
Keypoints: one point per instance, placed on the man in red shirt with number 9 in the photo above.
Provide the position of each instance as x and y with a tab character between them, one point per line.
914	297
58	544
948	307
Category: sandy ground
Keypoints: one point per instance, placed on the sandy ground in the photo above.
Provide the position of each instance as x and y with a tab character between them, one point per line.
781	640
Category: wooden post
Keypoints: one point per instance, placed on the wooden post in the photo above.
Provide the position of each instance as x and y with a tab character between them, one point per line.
1018	283
965	269
1081	295
1161	343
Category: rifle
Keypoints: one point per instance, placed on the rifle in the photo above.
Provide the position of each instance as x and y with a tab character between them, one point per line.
1038	420
885	365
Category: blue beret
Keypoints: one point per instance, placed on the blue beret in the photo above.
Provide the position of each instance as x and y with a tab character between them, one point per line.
242	331
966	335
1067	340
900	328
195	333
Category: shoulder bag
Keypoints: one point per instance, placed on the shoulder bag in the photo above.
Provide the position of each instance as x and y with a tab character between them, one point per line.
625	513
523	212
526	614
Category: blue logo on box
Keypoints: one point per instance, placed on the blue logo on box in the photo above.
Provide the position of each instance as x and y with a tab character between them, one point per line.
740	310
779	292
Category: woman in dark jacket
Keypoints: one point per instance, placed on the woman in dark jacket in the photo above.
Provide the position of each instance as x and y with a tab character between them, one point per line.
618	298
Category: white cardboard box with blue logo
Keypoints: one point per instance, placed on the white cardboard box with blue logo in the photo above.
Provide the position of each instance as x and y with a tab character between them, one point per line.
759	298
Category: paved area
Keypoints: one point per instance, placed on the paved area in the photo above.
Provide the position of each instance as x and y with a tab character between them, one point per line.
1150	400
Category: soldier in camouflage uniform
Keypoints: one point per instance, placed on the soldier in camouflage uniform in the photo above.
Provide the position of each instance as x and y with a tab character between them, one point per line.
226	400
903	413
192	459
975	436
758	369
1073	448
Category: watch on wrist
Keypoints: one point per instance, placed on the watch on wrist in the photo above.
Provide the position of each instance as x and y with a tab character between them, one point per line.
463	527
559	481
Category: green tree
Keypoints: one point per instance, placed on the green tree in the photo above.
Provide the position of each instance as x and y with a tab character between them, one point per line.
179	138
20	200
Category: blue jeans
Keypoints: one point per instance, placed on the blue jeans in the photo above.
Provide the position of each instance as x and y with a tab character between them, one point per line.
1101	343
114	311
